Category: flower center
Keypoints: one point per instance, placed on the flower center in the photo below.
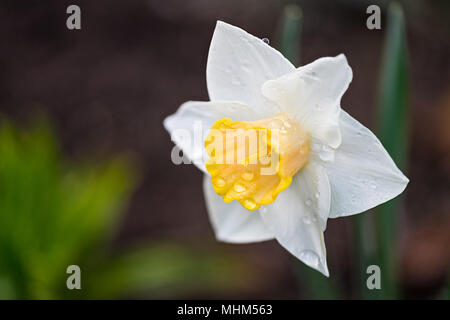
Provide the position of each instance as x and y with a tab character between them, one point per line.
253	161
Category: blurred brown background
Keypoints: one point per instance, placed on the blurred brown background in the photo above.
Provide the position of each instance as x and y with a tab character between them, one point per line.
108	87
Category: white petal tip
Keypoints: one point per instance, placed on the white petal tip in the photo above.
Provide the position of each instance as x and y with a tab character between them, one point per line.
315	261
222	24
166	123
405	180
320	267
342	57
341	62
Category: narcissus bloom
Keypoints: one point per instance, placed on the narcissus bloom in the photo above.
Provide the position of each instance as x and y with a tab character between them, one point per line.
279	154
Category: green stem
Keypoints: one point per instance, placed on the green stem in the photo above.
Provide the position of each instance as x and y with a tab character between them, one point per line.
291	25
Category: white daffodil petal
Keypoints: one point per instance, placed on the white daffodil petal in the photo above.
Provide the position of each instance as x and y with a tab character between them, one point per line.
312	95
298	216
362	175
239	64
231	222
189	126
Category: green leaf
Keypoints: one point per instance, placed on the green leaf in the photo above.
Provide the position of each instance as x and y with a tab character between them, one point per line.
393	124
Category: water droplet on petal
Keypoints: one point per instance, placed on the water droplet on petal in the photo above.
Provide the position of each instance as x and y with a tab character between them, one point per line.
275	124
209	139
220	182
310	258
308	202
266	40
239	187
248	176
326	154
249	204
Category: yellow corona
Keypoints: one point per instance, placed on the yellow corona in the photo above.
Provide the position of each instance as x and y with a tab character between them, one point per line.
253	161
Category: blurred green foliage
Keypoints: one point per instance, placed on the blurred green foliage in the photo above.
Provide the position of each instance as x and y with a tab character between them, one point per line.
51	215
54	214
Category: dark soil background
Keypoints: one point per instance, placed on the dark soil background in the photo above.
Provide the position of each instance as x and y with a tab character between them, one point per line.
108	87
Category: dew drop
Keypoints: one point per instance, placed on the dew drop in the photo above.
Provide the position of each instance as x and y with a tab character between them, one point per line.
209	138
308	202
248	176
310	258
326	154
276	124
249	204
306	220
266	40
239	187
220	182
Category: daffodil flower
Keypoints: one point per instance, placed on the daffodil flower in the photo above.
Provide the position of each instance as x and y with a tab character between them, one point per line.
328	164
